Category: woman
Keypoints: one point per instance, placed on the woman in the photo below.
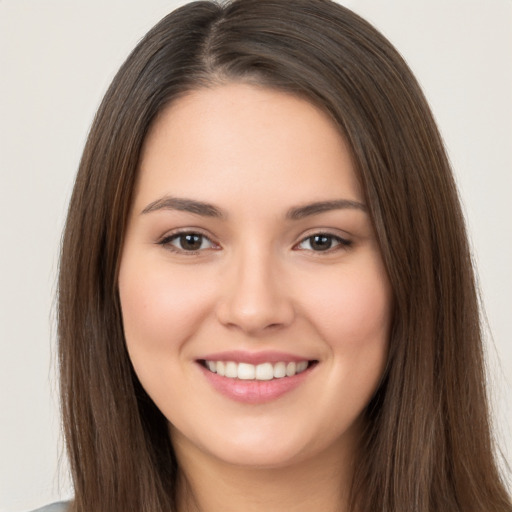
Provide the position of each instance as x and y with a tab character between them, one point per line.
266	299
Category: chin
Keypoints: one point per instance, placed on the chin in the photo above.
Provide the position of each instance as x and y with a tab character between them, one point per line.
263	458
264	448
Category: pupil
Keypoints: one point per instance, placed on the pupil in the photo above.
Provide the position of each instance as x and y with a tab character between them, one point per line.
321	242
191	242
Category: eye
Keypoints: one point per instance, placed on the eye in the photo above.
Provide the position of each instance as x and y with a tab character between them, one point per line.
187	242
322	242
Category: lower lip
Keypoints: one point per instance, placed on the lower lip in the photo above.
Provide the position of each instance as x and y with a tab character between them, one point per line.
254	391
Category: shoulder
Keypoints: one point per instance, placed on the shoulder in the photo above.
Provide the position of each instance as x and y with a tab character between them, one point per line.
61	506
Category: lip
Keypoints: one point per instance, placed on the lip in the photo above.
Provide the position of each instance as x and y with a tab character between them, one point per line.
254	391
239	356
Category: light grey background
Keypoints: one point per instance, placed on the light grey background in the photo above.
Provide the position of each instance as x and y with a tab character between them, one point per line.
56	60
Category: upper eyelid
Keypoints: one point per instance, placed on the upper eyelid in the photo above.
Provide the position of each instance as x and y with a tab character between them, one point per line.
341	240
167	242
185	231
303	237
335	233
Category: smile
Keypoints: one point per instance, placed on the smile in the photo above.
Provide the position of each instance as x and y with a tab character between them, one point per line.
264	371
266	378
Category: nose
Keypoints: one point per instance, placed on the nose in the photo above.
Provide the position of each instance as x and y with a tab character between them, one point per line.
255	298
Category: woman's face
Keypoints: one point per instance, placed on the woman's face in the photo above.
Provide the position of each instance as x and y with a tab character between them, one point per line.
255	303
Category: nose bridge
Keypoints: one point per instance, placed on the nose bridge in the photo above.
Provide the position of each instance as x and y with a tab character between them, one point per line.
255	299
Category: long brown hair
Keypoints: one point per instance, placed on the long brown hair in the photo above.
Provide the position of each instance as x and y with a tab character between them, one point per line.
427	445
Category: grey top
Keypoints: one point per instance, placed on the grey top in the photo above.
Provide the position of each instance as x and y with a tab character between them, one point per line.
62	506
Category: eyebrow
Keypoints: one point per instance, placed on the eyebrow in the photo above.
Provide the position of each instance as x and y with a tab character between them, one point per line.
184	205
307	210
209	210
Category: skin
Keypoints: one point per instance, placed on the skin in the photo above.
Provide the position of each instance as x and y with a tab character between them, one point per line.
256	283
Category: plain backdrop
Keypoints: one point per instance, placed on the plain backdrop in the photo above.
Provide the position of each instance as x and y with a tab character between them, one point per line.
56	59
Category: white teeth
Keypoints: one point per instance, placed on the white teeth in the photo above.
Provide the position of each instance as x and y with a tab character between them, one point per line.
231	370
264	371
246	371
280	370
301	366
291	369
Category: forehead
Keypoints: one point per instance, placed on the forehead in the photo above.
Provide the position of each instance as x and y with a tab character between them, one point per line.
238	140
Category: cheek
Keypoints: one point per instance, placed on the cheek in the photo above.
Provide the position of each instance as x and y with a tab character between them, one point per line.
160	308
353	320
352	313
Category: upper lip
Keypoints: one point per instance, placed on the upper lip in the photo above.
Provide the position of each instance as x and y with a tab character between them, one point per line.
239	356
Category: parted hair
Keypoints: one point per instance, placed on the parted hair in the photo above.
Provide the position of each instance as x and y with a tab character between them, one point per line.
427	443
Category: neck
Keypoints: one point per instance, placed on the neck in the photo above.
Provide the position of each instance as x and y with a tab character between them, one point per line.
208	484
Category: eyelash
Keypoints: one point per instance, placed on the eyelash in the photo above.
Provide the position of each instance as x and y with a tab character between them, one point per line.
167	242
341	243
